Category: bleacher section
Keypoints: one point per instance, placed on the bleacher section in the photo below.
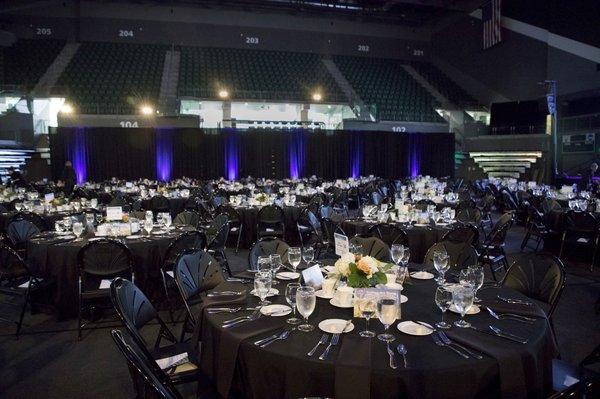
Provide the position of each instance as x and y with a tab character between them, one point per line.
109	78
255	75
385	84
444	84
24	63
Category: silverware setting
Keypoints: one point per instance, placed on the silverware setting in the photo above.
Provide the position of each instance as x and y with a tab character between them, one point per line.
438	341
322	341
223	310
334	341
224	293
513	301
390	352
244	319
402	351
445	339
238	280
495	331
262	341
510	316
283	336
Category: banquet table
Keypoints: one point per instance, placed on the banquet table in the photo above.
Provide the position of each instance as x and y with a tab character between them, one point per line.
249	218
56	257
176	205
420	238
49	218
358	367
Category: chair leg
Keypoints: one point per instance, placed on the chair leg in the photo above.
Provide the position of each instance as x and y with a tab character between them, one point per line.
79	313
22	315
184	326
562	244
525	240
169	307
594	254
237	245
225	262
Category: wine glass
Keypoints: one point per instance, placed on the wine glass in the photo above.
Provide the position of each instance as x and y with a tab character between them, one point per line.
18	206
148	225
443	298
397	253
294	257
477	277
77	230
290	297
367	307
263	264
401	273
275	260
305	302
89	219
441	264
387	311
68	223
262	286
58	226
167	220
462	299
308	254
405	256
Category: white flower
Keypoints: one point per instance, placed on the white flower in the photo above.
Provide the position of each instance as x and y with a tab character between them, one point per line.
342	265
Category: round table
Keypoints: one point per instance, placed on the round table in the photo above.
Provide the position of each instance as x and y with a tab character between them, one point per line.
420	238
249	218
358	367
53	256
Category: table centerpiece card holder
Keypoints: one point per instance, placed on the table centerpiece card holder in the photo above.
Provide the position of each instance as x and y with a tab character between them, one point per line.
313	277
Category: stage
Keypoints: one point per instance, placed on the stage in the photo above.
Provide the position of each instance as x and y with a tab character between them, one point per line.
130	153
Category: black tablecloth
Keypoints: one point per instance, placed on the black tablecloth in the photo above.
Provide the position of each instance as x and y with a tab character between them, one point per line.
176	205
358	367
56	258
420	239
249	218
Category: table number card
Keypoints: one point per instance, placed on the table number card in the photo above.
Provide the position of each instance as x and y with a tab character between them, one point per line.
114	213
342	245
313	277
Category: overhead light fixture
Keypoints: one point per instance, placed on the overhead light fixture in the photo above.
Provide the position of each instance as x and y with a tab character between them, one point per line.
317	96
66	109
223	93
146	109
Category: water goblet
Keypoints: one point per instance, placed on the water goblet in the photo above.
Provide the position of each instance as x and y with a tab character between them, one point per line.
262	286
441	264
367	307
477	277
405	256
275	260
308	255
305	302
290	297
387	311
263	264
148	225
443	298
77	230
397	253
294	257
462	299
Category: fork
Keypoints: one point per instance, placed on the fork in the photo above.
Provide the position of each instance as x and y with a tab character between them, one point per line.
224	293
439	342
334	341
513	301
510	316
445	339
223	310
253	316
284	335
322	341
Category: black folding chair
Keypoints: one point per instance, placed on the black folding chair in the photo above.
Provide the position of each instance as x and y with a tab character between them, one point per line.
374	247
267	246
270	222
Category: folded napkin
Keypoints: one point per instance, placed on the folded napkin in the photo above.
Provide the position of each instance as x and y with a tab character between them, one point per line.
352	367
214	302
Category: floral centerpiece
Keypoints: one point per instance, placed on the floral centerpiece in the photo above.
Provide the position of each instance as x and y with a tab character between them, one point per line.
360	272
262	198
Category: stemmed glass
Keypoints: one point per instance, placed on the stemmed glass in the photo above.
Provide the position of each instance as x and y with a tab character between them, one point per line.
462	299
308	254
405	256
290	297
441	264
148	224
275	260
443	298
262	286
477	277
89	220
305	302
167	220
397	253
387	311
77	230
68	223
294	257
367	306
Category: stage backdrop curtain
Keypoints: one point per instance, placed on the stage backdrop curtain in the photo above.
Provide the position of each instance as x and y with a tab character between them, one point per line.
101	153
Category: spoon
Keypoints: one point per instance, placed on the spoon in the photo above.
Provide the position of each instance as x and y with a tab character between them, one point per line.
402	350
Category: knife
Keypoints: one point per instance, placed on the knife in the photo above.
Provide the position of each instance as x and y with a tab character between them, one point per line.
497	335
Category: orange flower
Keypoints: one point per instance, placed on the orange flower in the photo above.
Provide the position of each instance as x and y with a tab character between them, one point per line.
363	266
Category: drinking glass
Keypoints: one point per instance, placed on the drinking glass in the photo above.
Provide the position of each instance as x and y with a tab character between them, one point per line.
441	264
462	299
159	218
308	254
397	253
355	249
68	223
477	277
294	257
264	264
262	286
77	230
167	220
367	308
401	273
275	260
305	302
58	226
89	219
148	224
405	256
443	299
387	310
290	297
18	206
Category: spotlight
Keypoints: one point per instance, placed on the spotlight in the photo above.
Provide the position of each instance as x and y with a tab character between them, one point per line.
223	93
66	109
317	96
146	110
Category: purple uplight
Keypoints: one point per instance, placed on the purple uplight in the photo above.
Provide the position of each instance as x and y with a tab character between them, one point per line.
78	155
231	155
356	154
414	154
164	154
296	148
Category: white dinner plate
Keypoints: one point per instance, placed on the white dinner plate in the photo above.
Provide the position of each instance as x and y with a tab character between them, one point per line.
272	292
335	326
412	328
158	232
133	237
421	224
287	275
275	310
473	310
335	303
321	294
422	275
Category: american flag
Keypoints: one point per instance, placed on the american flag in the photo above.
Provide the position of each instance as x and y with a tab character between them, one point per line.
491	17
